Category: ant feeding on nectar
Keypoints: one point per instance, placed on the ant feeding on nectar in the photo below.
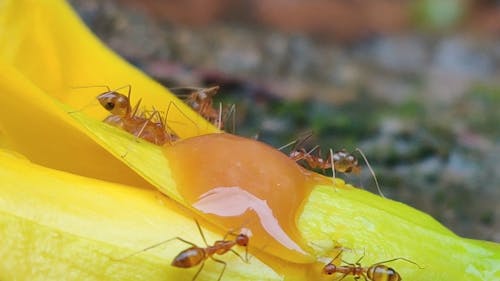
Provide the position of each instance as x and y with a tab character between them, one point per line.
196	255
340	161
375	272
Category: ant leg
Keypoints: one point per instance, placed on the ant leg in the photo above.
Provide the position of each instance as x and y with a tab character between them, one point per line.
342	277
288	144
184	114
198	272
333	165
136	107
201	232
371	171
359	260
245	260
231	111
138	135
223	269
219	118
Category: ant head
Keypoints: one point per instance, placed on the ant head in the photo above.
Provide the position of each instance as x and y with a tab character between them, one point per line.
242	240
115	103
329	269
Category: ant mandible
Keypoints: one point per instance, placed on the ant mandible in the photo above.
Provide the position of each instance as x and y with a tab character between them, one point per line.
375	272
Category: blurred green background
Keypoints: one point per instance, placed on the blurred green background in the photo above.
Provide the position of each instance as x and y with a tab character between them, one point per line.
414	84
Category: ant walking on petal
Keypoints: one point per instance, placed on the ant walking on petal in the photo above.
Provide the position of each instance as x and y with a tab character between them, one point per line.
375	272
196	255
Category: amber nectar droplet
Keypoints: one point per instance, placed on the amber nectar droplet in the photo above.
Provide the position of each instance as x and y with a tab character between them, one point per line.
238	182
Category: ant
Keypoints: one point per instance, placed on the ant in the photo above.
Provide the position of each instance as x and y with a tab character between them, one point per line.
375	272
201	100
126	117
196	255
341	161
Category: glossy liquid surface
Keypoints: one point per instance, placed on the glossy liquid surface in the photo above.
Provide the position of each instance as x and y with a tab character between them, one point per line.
237	182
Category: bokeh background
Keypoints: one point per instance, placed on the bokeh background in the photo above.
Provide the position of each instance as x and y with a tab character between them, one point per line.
414	84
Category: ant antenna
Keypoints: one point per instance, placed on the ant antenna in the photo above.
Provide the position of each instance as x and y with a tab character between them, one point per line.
172	103
371	171
93	86
107	87
404	259
298	141
92	103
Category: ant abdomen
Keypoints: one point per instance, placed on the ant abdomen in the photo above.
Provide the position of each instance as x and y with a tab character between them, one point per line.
381	272
189	257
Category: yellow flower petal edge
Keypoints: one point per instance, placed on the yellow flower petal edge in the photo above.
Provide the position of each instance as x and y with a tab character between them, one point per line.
59	226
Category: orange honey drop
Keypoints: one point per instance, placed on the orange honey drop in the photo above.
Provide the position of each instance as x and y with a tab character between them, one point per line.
238	182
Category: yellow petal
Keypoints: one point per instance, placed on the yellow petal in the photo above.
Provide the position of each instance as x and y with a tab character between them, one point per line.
358	220
58	226
44	51
34	126
49	45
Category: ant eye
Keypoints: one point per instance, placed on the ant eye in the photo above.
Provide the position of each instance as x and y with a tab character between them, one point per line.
242	240
329	269
110	105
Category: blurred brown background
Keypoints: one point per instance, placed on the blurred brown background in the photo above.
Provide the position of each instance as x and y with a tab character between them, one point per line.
414	84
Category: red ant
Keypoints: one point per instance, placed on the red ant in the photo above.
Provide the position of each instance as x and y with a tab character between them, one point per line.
201	100
375	272
340	161
196	255
126	118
